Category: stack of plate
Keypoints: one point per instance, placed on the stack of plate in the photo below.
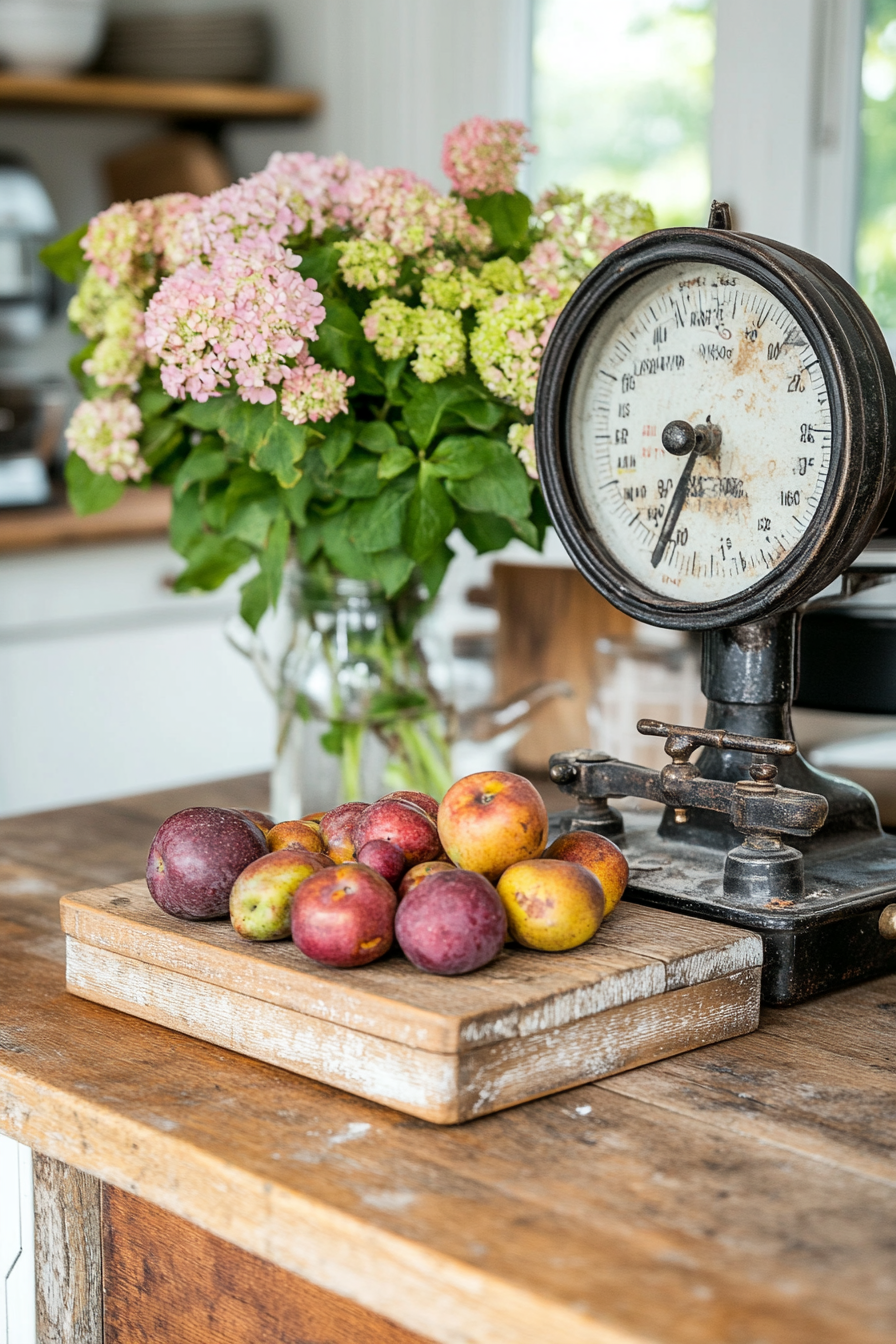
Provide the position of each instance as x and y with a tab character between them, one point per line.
211	46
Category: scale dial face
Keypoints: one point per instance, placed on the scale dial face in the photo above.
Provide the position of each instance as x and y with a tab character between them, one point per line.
695	341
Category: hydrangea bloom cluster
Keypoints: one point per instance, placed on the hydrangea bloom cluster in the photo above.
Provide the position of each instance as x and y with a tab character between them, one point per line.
104	432
481	157
243	317
396	330
396	207
312	393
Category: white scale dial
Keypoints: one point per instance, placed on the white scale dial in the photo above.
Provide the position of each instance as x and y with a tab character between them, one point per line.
695	342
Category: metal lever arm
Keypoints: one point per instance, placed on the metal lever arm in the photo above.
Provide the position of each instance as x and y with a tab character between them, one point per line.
682	741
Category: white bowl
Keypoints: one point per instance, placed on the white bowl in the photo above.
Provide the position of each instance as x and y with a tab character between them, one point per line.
50	37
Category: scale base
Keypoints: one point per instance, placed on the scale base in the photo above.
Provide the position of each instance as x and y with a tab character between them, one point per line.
821	940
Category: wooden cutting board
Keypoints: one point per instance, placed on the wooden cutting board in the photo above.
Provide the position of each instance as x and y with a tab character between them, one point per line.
650	984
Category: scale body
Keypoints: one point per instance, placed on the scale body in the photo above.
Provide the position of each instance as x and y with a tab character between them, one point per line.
715	436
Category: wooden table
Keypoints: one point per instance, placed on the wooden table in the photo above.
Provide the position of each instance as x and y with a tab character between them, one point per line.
741	1194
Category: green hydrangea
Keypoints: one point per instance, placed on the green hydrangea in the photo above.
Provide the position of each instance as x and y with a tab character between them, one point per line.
391	326
367	263
441	345
504	276
507	346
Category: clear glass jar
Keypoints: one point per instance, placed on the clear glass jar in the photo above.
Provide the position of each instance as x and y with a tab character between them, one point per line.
643	679
358	714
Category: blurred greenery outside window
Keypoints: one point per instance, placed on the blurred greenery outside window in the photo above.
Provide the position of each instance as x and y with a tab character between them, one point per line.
622	100
876	241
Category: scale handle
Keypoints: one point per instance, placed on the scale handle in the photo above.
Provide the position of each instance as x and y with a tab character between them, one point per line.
681	741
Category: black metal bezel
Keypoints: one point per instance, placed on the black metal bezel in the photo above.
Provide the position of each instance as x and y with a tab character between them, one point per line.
862	396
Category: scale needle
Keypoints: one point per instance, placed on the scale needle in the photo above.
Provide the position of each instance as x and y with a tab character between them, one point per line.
679	438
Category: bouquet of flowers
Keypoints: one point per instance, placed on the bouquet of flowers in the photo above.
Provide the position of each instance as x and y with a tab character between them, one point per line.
336	364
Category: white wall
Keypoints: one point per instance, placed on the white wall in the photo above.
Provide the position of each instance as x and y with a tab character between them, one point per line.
17	1279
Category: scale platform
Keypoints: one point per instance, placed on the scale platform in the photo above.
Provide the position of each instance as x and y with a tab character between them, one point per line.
828	936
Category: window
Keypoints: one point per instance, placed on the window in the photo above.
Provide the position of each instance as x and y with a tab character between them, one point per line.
622	100
876	241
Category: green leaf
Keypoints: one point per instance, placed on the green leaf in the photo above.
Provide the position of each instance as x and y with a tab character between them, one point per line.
526	530
394	462
377	525
434	569
279	450
501	486
205	463
159	439
65	257
394	368
480	413
186	521
254	600
507	215
295	499
358	478
376	436
153	399
89	492
430	516
484	531
460	456
251	521
211	560
392	569
339	337
274	557
333	739
308	542
387	705
341	551
205	415
320	264
337	445
424	411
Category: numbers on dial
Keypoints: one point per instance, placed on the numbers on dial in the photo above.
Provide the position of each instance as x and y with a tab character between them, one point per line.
688	342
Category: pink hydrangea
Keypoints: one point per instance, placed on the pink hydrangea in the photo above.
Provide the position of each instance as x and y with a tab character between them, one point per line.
310	392
104	432
482	157
396	206
171	230
243	317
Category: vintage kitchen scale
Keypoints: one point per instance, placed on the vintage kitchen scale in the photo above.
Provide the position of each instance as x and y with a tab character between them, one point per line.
715	434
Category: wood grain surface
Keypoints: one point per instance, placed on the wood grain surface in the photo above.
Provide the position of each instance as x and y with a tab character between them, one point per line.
168	1282
648	985
68	1257
138	514
112	93
742	1193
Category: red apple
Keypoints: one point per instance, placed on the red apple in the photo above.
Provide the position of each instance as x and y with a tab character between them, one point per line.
492	819
404	824
451	923
384	858
424	801
336	829
416	874
262	896
344	916
600	856
261	819
295	832
195	858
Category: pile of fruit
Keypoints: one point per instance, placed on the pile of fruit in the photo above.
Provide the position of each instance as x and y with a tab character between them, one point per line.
450	882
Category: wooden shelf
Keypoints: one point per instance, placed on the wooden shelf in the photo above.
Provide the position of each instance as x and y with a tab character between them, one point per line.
176	98
138	514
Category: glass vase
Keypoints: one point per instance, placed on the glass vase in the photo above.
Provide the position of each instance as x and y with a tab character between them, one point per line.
357	712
